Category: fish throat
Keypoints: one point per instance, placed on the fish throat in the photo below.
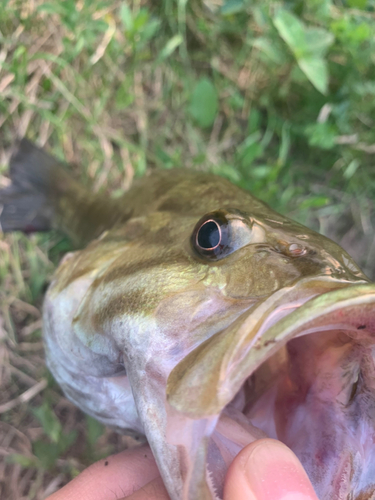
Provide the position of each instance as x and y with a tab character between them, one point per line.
322	405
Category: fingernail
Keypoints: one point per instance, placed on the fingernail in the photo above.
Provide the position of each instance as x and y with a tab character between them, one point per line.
273	472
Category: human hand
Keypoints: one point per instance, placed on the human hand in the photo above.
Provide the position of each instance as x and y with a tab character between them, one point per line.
267	470
263	470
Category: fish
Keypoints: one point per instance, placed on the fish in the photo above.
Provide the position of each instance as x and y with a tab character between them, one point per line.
194	315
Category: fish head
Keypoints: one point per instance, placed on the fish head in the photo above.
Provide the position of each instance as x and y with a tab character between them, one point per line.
223	328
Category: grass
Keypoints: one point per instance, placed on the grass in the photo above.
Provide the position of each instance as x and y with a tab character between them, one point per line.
119	88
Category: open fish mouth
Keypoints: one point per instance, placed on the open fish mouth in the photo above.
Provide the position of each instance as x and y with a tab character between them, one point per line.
300	368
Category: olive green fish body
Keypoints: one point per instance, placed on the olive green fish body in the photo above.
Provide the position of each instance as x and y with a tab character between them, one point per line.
202	319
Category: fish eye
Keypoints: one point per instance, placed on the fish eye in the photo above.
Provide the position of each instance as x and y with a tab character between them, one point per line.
210	238
222	232
209	235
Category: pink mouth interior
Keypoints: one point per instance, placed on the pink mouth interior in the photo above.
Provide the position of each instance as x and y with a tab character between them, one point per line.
317	395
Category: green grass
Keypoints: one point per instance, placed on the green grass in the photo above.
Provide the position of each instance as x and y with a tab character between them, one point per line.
279	97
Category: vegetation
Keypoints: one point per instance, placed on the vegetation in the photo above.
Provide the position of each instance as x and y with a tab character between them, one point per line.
277	96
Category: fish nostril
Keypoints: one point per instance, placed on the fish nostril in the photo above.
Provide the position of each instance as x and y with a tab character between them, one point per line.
296	250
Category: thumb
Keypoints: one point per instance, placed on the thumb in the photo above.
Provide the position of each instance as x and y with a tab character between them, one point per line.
267	470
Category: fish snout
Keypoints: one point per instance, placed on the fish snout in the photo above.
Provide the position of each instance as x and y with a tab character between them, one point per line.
319	259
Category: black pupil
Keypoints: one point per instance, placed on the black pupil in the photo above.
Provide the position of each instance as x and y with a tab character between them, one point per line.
209	235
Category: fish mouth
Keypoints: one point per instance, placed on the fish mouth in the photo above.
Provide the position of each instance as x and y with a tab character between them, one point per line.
299	368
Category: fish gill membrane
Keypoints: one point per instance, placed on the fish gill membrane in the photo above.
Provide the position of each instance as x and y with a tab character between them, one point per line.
196	316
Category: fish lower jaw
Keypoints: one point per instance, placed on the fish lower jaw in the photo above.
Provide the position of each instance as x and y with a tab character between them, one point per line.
316	395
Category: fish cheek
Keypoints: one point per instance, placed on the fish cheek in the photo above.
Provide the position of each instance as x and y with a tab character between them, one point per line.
124	304
258	274
192	316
